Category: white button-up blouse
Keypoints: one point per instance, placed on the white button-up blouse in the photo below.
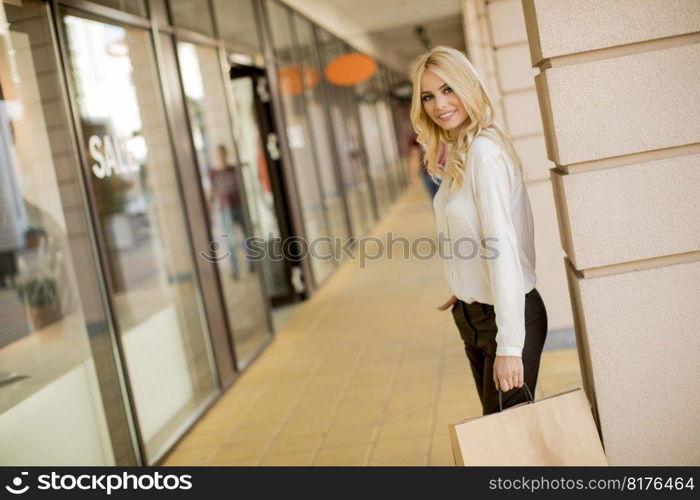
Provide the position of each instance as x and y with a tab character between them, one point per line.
488	236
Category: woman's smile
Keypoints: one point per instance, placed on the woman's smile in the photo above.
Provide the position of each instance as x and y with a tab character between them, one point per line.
447	115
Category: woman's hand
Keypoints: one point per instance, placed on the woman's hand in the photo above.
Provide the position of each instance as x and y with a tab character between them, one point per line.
508	372
450	302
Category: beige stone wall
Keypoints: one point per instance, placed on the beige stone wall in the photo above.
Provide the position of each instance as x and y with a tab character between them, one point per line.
497	46
617	86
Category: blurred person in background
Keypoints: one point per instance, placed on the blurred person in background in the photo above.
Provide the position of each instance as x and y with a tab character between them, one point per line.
226	194
418	170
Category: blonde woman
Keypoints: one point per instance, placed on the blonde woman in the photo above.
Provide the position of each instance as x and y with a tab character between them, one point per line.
482	205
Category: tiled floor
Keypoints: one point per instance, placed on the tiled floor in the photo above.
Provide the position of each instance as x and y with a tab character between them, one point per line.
367	372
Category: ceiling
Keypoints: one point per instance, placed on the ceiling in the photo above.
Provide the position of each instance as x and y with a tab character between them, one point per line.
385	29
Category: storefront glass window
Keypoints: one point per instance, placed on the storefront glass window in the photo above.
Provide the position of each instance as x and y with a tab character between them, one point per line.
237	26
137	7
158	10
368	96
313	80
308	178
60	388
146	249
192	15
258	148
348	140
389	131
399	104
380	140
355	130
227	181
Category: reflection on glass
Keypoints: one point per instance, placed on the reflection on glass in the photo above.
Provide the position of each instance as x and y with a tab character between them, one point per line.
155	297
379	138
192	15
261	202
348	140
60	402
348	149
354	146
316	106
399	115
237	26
372	133
308	178
354	131
137	7
222	180
389	132
386	126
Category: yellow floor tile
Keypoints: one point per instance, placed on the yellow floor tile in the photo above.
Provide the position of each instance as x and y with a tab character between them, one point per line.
230	454
404	430
193	456
198	438
291	444
411	451
253	433
339	437
366	371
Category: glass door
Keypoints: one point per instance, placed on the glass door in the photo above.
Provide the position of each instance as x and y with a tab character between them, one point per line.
61	387
258	143
258	148
311	71
348	140
308	177
227	178
145	246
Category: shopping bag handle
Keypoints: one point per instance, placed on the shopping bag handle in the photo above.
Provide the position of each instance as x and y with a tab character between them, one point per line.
524	388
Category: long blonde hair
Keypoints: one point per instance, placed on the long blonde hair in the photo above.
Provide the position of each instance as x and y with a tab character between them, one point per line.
453	67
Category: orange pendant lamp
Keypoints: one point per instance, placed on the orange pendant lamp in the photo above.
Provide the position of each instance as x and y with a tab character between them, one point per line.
350	69
295	78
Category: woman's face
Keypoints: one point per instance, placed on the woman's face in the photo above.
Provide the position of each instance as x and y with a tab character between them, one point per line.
440	102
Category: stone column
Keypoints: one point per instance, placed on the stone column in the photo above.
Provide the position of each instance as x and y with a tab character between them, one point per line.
620	101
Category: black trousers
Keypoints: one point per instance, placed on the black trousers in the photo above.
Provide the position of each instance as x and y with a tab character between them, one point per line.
477	327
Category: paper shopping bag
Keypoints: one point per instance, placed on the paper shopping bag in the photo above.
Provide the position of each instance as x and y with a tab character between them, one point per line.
558	430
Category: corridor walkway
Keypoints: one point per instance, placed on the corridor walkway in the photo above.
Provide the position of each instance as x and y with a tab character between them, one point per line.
367	372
